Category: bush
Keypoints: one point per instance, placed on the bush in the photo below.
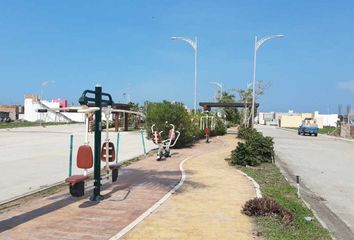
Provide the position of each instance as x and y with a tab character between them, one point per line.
267	207
246	133
172	113
244	155
220	128
262	147
255	150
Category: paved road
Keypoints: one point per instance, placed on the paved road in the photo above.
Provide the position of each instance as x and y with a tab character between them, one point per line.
326	168
35	157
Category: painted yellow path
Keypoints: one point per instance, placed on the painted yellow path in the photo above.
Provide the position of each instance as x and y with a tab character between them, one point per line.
207	206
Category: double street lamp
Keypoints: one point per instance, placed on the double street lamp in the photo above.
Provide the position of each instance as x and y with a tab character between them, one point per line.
220	86
194	45
257	45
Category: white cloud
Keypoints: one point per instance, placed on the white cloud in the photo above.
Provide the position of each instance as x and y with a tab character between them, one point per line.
349	85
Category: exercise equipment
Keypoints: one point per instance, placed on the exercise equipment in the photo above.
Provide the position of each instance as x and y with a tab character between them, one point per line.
84	160
164	145
93	102
207	124
108	152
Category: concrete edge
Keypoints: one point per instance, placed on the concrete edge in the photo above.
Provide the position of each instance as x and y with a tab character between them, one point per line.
154	207
255	184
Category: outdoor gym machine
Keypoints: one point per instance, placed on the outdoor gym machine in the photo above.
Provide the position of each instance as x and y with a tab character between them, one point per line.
97	101
164	145
207	124
94	102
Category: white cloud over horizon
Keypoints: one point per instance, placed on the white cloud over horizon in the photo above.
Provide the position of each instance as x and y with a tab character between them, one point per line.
349	85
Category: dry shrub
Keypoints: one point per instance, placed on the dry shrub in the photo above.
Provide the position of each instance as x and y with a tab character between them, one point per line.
267	207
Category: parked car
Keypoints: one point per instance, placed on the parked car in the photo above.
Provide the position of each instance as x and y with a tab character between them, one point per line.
308	126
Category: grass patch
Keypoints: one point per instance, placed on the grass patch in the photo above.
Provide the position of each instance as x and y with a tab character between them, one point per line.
324	130
327	130
274	185
28	124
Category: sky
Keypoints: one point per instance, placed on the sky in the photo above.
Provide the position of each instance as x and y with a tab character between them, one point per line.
64	47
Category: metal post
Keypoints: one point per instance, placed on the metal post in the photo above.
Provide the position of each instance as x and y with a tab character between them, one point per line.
254	79
71	155
126	122
116	122
143	140
195	74
298	186
98	128
117	149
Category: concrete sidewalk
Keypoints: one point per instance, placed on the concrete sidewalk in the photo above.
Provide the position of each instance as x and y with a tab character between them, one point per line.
207	206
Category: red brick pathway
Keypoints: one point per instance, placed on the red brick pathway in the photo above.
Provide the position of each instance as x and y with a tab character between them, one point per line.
62	217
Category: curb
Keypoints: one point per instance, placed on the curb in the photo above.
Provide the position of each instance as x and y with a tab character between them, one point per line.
255	184
154	207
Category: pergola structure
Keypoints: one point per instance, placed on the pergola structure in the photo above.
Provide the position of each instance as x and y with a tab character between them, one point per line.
208	105
121	106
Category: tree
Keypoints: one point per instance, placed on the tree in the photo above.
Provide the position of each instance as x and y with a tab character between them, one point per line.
164	113
231	115
246	96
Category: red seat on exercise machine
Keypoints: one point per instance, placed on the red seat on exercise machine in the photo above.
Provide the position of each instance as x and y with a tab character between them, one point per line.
172	135
84	160
114	166
111	152
156	137
76	179
207	131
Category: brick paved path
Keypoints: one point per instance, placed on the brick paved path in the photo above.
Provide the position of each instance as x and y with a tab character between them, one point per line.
142	184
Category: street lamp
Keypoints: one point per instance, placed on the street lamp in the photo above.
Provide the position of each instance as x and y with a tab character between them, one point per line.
219	85
194	45
44	84
257	45
127	96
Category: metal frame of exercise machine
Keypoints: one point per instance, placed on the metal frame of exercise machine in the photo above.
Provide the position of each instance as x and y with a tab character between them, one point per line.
164	145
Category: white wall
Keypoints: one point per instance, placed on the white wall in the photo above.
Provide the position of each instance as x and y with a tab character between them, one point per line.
329	119
32	115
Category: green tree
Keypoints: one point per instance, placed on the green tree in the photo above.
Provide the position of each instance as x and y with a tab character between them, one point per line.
164	113
246	96
231	115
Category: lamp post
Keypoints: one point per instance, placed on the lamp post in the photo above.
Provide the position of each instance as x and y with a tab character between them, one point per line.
257	44
219	85
44	84
127	96
194	45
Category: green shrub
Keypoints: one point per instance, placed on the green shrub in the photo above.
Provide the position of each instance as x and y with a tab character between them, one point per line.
246	133
220	128
164	113
255	150
263	147
244	155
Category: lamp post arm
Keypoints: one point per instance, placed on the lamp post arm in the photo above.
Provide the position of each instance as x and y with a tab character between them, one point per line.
266	38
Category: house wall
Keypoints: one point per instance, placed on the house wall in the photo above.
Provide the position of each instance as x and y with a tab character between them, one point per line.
329	119
13	111
32	105
295	120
